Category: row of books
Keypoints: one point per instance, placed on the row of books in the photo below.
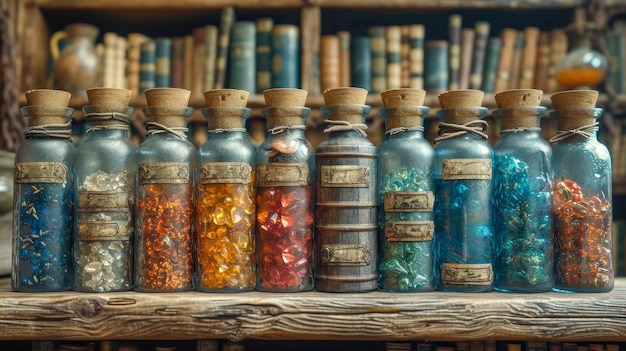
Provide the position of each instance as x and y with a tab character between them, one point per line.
617	148
619	247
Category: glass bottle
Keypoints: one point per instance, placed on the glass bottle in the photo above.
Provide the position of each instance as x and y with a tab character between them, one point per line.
582	196
225	206
43	196
523	176
345	208
405	195
463	195
105	169
167	163
285	169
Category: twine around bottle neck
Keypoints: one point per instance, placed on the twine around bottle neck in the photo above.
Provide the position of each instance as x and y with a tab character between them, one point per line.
451	130
343	126
61	131
283	129
157	128
108	116
398	130
586	131
520	130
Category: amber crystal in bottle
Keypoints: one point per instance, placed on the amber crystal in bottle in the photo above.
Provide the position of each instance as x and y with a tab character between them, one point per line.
582	196
105	171
284	198
43	196
345	210
225	203
167	165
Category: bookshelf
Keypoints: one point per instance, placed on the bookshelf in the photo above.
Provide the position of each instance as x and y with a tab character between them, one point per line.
374	316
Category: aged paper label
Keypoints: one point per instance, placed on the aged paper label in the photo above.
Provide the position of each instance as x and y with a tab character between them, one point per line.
40	172
466	168
409	201
467	274
345	176
283	174
345	255
96	201
225	172
102	230
164	173
409	231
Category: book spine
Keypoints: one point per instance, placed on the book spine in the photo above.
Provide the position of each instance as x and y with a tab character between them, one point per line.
491	65
416	56
529	57
405	56
344	58
393	48
615	48
242	57
379	59
516	64
454	55
286	56
177	65
226	23
558	49
110	59
543	62
467	50
329	62
147	68
436	66
210	54
120	63
189	62
509	36
478	55
163	62
361	62
264	54
133	54
199	53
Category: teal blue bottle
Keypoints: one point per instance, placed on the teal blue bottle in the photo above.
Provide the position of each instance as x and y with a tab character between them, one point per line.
523	176
405	195
463	195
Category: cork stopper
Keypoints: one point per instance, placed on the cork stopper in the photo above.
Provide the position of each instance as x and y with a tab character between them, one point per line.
403	97
461	106
340	96
167	106
285	106
108	96
108	100
461	98
226	97
47	106
519	108
575	108
226	108
403	107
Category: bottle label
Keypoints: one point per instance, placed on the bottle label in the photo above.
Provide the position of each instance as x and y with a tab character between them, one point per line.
409	201
283	174
103	230
98	201
346	255
466	168
409	231
40	172
225	172
467	274
163	173
345	176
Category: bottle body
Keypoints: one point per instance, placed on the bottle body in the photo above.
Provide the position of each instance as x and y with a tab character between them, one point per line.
524	230
284	200
583	215
165	214
405	213
225	214
43	215
105	171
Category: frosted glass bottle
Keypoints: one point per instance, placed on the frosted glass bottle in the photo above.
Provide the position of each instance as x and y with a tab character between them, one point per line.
105	170
463	195
43	196
405	195
523	176
582	196
225	206
166	175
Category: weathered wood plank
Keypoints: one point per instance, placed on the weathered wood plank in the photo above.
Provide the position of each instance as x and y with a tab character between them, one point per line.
315	316
164	4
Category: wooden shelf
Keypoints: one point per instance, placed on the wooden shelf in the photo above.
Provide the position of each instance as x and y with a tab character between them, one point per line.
121	5
314	316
